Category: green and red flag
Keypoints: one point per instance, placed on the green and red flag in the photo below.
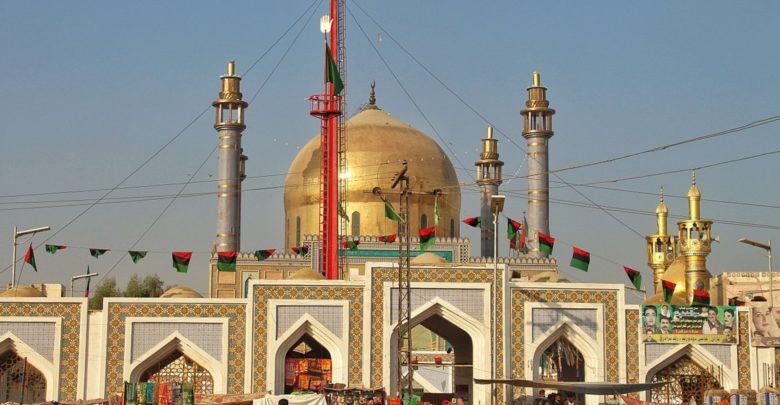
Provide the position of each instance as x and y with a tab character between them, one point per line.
29	257
97	252
427	237
181	261
512	227
264	254
350	244
546	243
387	238
54	248
476	222
668	290
700	297
521	245
390	211
137	255
333	72
635	276
226	261
580	259
301	250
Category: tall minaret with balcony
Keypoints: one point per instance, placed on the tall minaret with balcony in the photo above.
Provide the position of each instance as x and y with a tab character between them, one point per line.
661	249
537	130
488	179
695	236
229	123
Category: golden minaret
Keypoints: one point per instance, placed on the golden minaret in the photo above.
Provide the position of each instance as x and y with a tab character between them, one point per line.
695	238
661	247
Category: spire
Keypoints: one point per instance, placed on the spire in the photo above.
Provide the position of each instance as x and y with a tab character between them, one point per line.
488	179
371	99
694	198
661	213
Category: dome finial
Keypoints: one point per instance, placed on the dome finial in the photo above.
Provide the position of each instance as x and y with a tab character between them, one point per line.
693	181
372	95
662	193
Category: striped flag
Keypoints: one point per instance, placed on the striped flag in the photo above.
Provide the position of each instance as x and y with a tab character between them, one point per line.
226	261
580	259
181	261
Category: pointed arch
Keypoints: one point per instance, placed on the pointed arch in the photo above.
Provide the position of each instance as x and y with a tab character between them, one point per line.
566	328
307	325
10	342
698	355
171	344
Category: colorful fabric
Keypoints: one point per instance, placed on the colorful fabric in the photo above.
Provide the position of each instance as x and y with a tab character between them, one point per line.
130	397
150	391
54	248
668	290
350	244
475	222
187	395
387	238
390	211
635	276
97	252
142	393
512	227
29	257
264	254
427	237
181	261
226	261
546	243
580	259
700	297
164	394
334	77
136	255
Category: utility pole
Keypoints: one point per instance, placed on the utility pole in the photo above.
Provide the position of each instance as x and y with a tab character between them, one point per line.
401	181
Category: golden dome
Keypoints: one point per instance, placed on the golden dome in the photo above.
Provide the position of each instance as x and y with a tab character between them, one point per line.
428	258
676	274
377	143
307	273
22	291
180	291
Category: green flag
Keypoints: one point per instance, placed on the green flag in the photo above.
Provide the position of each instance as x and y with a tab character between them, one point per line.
54	248
390	211
136	255
350	244
97	252
181	261
333	73
427	237
226	261
264	254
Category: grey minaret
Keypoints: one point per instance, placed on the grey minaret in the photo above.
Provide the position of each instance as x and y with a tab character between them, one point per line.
488	179
537	130
229	123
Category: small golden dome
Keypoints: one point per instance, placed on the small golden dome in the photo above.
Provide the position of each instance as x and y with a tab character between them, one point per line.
693	192
428	258
376	145
180	291
306	273
22	291
676	274
661	208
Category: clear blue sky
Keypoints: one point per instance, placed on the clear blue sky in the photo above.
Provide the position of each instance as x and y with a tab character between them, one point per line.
90	90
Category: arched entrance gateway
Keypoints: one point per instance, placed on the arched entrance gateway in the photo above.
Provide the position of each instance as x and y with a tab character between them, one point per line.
11	371
686	380
178	368
561	361
307	366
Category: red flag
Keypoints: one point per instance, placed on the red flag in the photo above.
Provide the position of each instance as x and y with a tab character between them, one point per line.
29	257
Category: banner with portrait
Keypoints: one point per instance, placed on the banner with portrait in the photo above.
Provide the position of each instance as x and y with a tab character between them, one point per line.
764	326
689	324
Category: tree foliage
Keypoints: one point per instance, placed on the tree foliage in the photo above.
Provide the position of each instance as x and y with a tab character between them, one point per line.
149	286
106	288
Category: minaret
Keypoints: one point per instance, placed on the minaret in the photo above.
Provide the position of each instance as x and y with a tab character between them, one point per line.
537	130
229	123
488	179
695	244
661	246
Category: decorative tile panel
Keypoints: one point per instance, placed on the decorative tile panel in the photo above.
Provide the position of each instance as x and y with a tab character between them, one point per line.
743	351
70	313
466	300
654	351
115	347
38	335
263	293
720	352
330	317
207	336
632	346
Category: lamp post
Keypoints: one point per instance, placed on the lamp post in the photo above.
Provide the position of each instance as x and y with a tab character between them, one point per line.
17	234
74	278
496	205
768	248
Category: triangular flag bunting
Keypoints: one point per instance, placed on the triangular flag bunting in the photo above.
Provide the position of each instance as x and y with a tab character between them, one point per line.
136	255
387	238
635	276
226	261
427	237
546	243
264	254
54	248
97	252
668	290
301	250
350	244
700	297
580	259
181	261
476	222
390	211
29	257
333	73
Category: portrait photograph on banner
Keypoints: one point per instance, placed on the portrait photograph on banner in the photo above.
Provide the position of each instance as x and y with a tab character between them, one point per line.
764	325
689	324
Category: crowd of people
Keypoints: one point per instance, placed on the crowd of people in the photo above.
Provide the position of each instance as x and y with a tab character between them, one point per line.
555	398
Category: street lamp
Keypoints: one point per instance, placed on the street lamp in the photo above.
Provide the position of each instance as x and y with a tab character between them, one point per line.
74	278
17	234
768	248
496	205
